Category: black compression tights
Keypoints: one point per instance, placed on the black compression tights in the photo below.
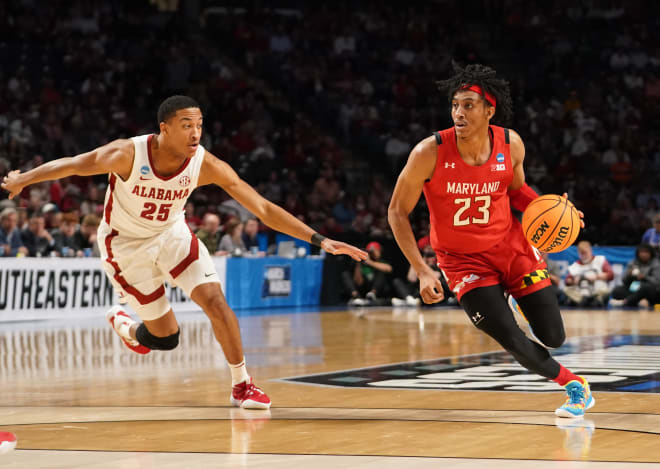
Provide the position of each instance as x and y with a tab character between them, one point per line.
489	311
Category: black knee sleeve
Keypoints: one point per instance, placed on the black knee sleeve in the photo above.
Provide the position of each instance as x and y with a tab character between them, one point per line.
542	311
149	340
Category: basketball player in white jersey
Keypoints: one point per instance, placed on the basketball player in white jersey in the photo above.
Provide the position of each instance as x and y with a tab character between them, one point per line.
144	239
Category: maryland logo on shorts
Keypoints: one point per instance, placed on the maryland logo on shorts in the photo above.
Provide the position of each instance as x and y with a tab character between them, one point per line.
534	277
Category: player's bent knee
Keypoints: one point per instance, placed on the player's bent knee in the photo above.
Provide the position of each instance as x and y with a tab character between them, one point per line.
553	339
147	339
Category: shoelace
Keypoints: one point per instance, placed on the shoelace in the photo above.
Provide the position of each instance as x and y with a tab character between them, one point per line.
575	395
252	389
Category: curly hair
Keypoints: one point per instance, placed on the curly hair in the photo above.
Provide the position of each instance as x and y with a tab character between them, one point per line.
485	77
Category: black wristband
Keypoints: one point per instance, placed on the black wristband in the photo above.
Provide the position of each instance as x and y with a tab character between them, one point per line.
317	239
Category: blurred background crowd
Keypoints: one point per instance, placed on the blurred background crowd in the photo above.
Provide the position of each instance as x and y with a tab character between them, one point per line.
317	104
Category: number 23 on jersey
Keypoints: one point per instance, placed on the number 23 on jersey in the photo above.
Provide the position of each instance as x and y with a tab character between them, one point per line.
482	204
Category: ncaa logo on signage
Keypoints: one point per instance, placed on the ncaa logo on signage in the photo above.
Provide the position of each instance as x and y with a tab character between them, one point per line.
184	181
277	281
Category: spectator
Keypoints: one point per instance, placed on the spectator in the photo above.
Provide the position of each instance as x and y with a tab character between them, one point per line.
555	278
233	208
209	234
250	234
22	221
652	235
65	243
50	211
641	280
588	277
368	283
36	238
327	186
408	291
84	238
194	222
331	228
232	242
11	242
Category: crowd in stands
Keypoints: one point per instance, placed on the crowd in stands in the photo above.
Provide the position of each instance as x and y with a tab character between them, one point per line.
585	82
318	104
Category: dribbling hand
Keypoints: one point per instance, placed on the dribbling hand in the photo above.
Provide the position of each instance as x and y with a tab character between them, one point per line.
430	288
565	196
10	183
337	248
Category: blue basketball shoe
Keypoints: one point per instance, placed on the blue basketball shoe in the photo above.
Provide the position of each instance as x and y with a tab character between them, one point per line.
578	400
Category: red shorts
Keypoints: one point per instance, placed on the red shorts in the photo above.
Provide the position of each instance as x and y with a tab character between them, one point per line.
512	262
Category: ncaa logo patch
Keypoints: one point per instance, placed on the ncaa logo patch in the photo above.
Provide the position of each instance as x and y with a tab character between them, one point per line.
184	181
500	157
144	170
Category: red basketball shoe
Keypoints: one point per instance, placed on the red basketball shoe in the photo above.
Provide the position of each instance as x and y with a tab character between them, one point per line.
117	318
247	396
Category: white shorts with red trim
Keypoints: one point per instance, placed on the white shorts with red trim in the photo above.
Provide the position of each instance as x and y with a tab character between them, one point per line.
138	267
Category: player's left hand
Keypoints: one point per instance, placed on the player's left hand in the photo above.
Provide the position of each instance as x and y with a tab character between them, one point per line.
580	213
337	247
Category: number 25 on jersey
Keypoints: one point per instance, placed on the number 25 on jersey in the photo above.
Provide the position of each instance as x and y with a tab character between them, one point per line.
481	202
150	208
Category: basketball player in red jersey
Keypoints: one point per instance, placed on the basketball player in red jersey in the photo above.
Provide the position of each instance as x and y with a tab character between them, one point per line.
471	175
144	239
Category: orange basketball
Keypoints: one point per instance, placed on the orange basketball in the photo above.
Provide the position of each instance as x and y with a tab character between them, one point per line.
551	223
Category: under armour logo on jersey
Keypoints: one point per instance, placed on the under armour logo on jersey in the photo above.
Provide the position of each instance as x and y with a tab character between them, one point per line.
450	165
477	318
184	181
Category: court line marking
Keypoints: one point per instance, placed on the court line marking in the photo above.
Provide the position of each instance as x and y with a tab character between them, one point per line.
481	422
343	455
354	415
306	407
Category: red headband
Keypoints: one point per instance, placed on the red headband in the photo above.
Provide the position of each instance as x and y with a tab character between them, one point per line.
477	89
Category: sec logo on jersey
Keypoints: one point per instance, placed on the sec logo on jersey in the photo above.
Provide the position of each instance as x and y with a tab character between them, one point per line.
184	181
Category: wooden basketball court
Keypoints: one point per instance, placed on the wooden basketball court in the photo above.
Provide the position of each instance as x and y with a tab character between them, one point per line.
76	398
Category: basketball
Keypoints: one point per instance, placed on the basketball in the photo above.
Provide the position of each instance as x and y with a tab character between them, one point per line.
551	223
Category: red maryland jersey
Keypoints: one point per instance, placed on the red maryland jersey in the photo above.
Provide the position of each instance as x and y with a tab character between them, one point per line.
469	205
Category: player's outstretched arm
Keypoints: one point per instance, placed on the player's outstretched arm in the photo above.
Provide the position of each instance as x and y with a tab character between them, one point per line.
408	189
115	157
215	171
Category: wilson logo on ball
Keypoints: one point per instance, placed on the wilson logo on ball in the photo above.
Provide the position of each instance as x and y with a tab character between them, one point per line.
558	241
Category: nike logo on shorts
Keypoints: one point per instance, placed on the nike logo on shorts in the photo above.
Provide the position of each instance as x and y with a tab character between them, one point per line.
208	275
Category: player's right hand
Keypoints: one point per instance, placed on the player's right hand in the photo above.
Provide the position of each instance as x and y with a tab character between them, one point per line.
337	247
11	184
430	288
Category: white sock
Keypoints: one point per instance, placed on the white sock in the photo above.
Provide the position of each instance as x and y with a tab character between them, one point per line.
238	373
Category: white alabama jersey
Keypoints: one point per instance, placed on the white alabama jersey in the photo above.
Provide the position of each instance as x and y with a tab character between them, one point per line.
147	204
